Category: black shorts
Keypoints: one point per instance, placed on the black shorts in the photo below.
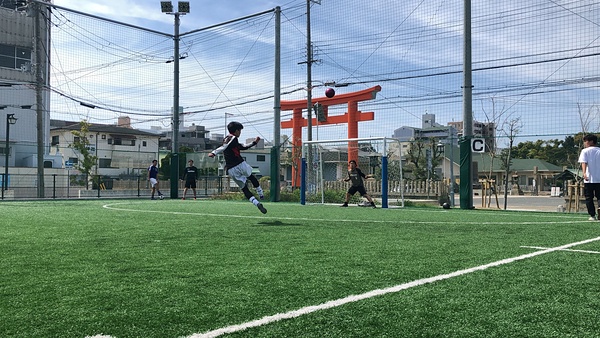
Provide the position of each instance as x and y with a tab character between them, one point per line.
361	190
190	184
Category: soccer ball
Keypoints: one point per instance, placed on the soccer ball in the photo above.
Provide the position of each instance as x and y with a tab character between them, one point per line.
329	92
162	197
446	206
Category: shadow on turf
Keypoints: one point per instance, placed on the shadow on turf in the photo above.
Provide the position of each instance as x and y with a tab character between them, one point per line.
277	223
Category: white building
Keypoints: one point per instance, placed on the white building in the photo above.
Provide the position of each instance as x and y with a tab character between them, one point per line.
120	149
18	49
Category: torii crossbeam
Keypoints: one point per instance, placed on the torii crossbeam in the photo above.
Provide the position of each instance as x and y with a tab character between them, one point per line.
351	117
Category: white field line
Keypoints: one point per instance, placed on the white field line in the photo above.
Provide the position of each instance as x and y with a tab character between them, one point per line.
116	206
542	248
355	298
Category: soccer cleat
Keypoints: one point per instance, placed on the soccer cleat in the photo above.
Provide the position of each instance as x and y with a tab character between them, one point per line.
373	205
345	205
152	198
183	199
592	218
261	208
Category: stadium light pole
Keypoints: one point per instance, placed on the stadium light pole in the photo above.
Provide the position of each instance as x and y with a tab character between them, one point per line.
10	119
183	7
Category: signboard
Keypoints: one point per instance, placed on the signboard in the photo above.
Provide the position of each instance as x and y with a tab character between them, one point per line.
68	165
478	145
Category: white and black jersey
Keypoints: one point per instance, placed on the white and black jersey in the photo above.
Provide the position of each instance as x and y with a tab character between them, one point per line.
231	150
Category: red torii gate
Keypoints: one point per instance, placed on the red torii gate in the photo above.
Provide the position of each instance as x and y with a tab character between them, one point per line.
352	117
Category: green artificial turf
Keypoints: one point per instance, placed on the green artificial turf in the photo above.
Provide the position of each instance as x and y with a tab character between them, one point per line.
174	268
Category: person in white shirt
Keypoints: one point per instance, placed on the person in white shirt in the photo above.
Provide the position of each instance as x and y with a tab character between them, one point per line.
590	166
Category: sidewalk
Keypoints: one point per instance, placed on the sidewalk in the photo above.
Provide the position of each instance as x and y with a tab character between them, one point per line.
529	203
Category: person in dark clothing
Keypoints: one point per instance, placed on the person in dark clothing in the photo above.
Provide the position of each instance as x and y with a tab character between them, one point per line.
236	167
153	178
356	176
190	175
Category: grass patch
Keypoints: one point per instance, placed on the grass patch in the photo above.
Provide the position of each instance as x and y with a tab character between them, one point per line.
174	268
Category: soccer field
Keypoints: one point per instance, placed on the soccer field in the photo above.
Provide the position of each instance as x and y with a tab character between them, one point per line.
140	268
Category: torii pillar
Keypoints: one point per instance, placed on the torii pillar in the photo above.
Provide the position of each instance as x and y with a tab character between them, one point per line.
351	117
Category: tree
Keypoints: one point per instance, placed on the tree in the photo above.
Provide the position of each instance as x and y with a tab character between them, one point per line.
496	116
511	129
165	163
81	144
422	158
560	153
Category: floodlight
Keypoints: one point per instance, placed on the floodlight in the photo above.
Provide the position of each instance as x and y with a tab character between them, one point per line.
166	6
183	7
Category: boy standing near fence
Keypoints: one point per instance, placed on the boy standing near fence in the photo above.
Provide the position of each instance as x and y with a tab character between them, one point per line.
190	176
153	178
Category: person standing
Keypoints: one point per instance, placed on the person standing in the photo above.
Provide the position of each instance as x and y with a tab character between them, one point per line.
236	166
590	166
356	176
153	178
190	176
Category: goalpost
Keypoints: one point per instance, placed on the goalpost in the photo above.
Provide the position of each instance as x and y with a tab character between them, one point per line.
324	165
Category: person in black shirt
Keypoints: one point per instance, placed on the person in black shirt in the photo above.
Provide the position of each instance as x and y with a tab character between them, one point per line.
190	175
236	167
356	176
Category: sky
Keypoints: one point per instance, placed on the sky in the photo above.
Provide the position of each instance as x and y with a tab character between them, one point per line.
535	61
147	13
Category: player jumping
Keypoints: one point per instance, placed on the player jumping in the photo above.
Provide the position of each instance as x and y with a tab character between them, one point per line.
236	167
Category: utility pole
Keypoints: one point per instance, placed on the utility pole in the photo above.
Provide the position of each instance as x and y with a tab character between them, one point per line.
309	62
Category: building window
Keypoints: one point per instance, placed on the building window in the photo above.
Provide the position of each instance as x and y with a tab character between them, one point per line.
117	141
3	151
144	143
76	139
13	4
110	141
104	137
14	57
104	162
55	140
73	160
260	158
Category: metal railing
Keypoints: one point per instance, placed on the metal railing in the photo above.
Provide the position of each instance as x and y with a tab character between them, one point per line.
57	186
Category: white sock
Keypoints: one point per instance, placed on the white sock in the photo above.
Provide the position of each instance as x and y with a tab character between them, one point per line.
254	200
259	190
